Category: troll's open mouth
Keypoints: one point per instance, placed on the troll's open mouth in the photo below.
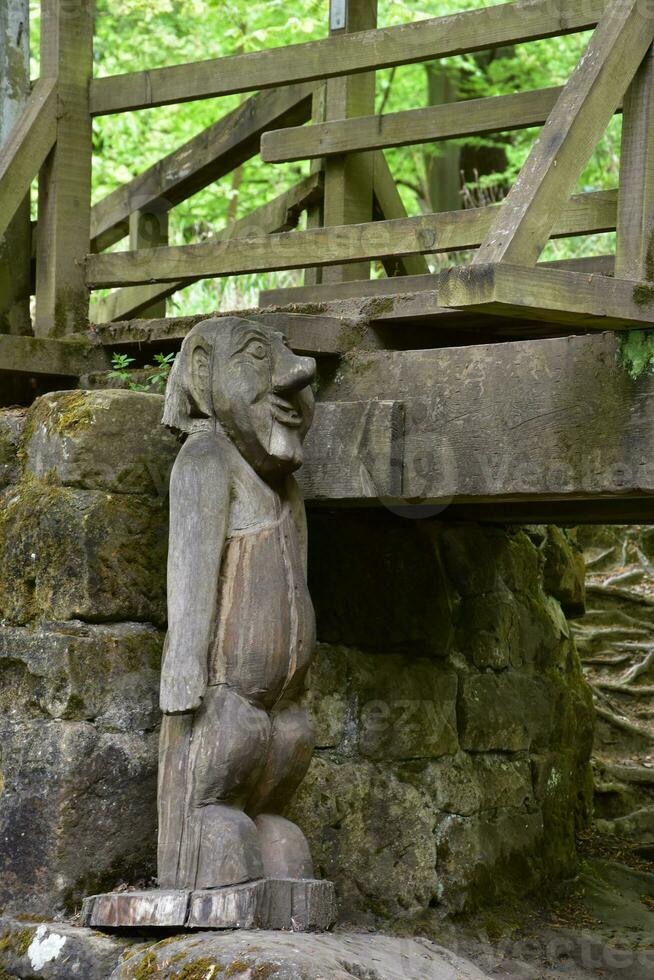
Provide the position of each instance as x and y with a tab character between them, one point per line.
285	413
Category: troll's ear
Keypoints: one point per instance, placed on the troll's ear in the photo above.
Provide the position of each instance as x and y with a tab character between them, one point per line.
199	378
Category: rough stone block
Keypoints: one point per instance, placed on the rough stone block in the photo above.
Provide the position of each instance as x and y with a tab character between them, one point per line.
12	423
406	707
297	956
82	672
487	630
78	812
500	712
480	560
326	695
371	834
101	440
57	951
489	857
79	554
564	573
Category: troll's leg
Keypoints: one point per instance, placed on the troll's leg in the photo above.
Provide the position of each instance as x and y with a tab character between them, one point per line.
208	765
284	848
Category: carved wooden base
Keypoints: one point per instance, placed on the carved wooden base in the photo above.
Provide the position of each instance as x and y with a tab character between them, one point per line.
269	903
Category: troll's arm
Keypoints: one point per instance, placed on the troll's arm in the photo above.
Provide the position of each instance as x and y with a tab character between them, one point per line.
199	502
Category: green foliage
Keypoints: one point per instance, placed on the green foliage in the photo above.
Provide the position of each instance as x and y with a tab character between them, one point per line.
637	352
156	377
138	34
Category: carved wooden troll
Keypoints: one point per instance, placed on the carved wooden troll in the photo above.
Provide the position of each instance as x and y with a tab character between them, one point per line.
241	630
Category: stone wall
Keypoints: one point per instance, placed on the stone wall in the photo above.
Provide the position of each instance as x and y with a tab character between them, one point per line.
454	726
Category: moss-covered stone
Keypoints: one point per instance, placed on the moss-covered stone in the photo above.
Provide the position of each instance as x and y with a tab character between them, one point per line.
78	812
81	555
78	671
101	440
12	423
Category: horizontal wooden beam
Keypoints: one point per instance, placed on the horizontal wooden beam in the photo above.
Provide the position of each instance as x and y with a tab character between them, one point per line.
316	334
534	430
207	157
25	152
37	355
280	214
553	295
431	233
453	120
346	54
398	286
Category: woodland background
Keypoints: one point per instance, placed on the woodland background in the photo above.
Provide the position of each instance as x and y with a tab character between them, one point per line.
138	34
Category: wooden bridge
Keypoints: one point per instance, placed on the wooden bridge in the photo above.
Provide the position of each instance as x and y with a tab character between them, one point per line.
491	390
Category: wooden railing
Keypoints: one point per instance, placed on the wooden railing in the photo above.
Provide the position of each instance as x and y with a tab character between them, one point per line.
354	212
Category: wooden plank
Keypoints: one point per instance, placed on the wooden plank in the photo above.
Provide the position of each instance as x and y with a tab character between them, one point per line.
65	182
37	355
315	215
424	40
399	286
588	301
542	425
348	178
570	135
149	229
26	149
315	334
433	233
16	244
354	448
388	206
634	255
280	214
441	122
207	157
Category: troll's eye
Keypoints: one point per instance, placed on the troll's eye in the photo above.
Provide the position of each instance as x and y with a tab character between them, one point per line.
257	349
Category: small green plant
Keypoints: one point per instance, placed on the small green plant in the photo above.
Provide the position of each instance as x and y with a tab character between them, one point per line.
637	352
156	378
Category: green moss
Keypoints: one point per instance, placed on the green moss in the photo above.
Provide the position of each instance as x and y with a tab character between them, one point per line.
147	968
238	966
637	352
16	942
200	970
643	295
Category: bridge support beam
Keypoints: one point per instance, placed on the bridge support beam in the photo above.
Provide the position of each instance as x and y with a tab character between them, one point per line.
541	430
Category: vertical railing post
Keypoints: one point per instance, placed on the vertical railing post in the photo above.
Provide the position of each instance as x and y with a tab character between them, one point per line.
15	247
149	229
635	230
348	178
62	299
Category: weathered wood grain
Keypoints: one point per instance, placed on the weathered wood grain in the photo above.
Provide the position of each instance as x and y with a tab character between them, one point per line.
423	40
280	214
570	135
39	355
533	428
429	233
207	157
16	244
348	178
388	205
636	199
589	301
398	286
355	448
24	153
63	233
500	113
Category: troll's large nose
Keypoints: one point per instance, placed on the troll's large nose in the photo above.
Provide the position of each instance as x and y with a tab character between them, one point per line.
291	372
